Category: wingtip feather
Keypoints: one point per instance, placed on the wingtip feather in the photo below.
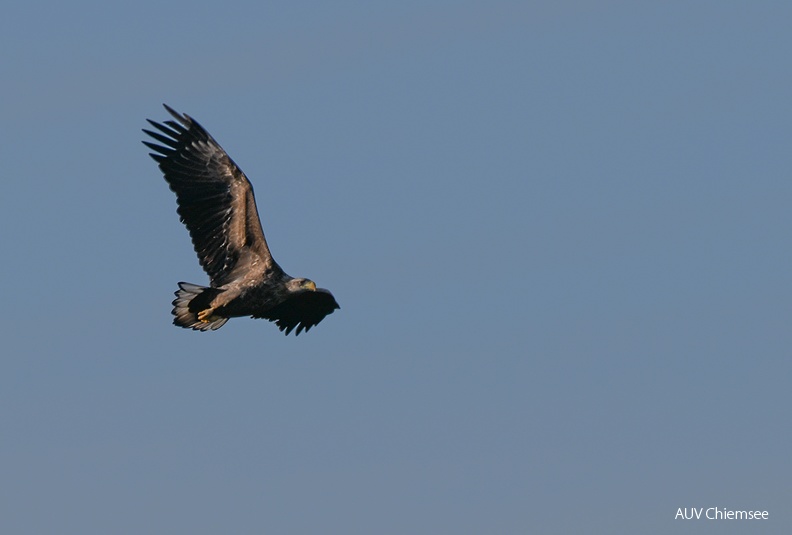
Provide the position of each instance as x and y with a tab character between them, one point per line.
158	148
173	112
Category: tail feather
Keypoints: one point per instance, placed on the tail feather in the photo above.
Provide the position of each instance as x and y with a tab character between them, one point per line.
190	300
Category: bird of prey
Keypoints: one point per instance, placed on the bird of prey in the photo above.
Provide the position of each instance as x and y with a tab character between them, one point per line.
216	204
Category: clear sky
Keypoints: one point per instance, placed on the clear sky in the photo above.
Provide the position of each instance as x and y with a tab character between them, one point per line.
559	233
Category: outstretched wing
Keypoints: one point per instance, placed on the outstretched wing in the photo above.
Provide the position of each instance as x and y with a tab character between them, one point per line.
215	198
302	309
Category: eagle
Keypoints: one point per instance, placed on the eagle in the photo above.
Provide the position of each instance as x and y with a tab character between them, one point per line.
216	203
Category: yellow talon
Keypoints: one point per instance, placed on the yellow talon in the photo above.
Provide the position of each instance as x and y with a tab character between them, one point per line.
205	316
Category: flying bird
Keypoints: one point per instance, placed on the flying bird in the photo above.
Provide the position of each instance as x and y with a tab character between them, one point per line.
216	204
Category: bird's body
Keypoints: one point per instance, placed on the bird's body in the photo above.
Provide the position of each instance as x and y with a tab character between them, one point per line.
217	205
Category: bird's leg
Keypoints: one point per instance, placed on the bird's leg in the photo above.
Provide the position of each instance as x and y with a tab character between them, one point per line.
205	316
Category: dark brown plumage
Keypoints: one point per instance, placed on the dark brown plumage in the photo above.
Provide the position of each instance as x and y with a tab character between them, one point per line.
217	205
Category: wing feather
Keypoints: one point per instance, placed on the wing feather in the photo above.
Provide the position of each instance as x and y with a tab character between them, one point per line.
215	199
303	310
172	143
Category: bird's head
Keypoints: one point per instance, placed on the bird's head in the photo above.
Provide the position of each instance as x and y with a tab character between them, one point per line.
296	285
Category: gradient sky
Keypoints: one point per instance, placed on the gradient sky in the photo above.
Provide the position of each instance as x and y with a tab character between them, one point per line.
559	233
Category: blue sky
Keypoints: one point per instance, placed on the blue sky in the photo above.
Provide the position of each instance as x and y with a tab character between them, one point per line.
558	232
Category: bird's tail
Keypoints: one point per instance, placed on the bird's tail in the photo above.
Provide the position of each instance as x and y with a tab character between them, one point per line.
191	300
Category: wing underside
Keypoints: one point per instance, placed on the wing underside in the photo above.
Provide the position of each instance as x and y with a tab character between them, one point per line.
302	310
215	199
